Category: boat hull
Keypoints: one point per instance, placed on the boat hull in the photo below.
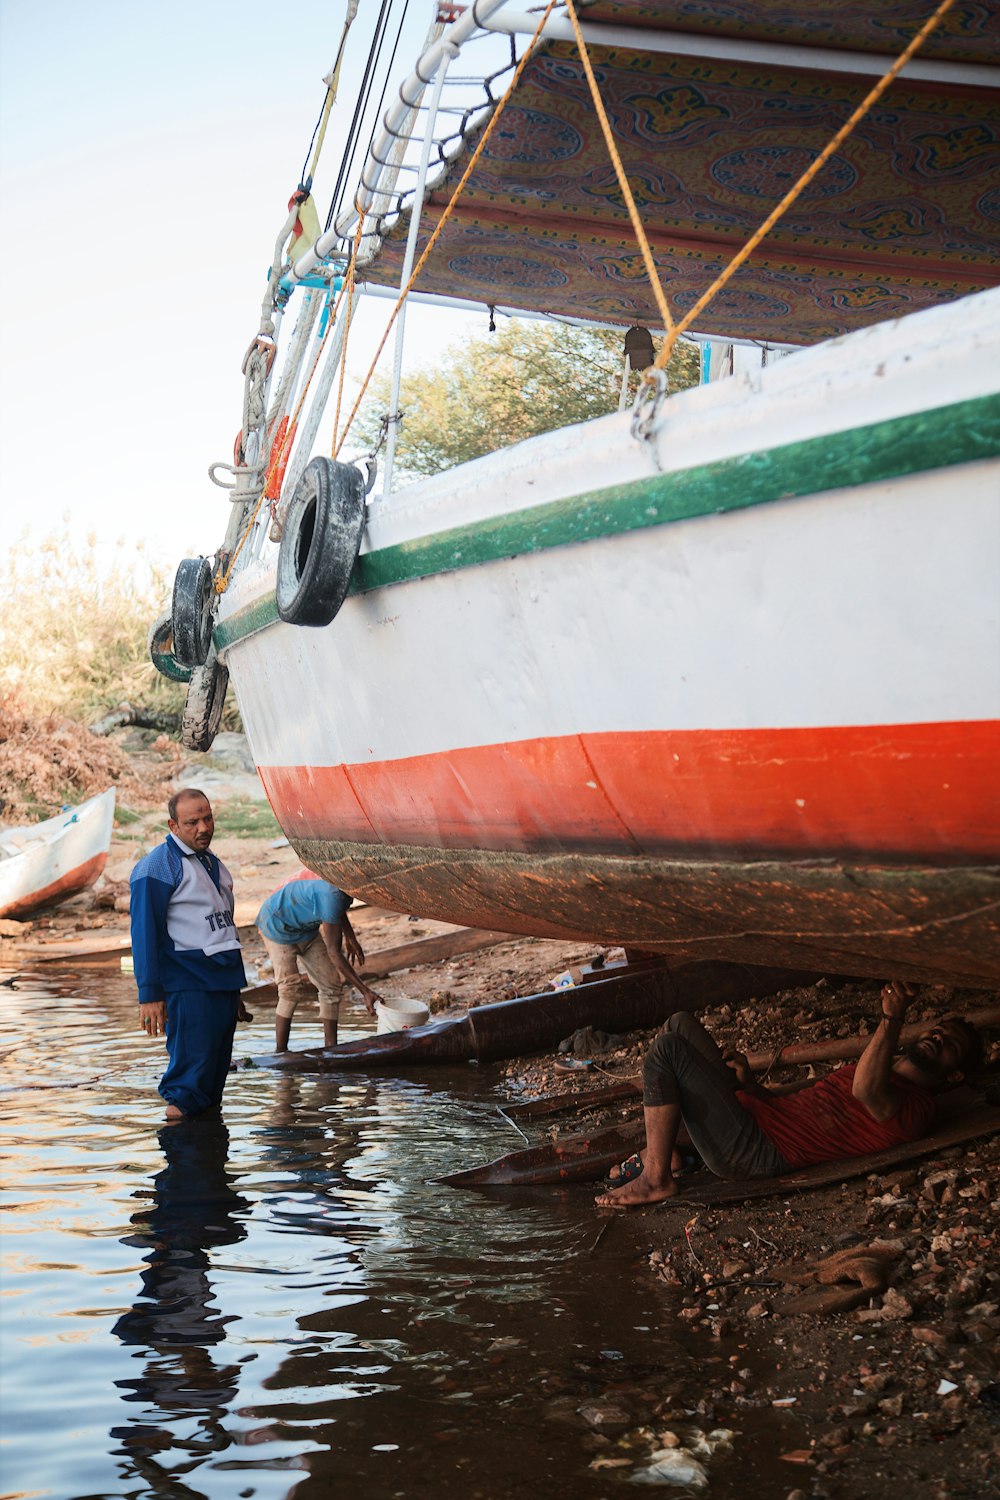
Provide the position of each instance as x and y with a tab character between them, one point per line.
732	692
918	922
58	859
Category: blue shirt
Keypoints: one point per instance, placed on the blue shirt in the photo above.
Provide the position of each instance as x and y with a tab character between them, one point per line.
294	913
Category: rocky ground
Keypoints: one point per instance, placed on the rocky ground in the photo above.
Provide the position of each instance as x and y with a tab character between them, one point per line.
866	1314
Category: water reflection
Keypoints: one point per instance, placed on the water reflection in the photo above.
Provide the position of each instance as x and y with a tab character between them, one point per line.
289	1302
175	1324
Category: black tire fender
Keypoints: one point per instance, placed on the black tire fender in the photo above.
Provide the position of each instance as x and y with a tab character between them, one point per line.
161	650
192	610
320	541
206	697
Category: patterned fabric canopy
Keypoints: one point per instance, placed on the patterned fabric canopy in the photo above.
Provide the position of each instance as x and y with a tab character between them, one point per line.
905	215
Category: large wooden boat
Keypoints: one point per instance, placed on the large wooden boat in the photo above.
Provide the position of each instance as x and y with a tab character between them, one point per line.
719	678
45	863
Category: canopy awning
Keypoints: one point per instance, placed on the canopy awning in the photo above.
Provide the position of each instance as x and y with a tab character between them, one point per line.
905	215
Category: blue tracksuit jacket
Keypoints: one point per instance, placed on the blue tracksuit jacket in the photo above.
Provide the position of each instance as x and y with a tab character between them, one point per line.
183	934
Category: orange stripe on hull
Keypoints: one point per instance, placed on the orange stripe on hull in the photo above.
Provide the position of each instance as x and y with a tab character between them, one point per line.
70	884
931	791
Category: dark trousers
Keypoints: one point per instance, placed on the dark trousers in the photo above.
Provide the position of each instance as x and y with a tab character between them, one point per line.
685	1067
200	1029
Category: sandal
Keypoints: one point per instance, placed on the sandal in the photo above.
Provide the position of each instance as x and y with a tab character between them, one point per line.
628	1170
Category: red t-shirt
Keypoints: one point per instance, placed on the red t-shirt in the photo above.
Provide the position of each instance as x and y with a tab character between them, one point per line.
825	1122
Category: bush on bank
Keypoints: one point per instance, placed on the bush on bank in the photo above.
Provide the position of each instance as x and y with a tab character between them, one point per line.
73	630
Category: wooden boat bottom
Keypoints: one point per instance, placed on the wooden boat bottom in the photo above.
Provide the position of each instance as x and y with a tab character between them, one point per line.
588	1158
928	924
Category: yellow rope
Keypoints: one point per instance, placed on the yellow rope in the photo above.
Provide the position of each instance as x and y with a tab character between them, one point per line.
616	162
445	216
794	192
331	96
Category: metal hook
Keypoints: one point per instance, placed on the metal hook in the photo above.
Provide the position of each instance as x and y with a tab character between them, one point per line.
653	390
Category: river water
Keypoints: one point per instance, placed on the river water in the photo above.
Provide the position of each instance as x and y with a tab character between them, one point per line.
282	1301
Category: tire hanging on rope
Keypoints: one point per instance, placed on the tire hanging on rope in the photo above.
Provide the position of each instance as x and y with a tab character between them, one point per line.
160	643
320	541
206	697
191	611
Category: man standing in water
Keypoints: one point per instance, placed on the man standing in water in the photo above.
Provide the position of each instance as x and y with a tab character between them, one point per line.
188	965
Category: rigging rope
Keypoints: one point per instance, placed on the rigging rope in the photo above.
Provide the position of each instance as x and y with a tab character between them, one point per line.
675	330
616	162
799	187
260	355
445	216
332	81
349	292
221	583
361	105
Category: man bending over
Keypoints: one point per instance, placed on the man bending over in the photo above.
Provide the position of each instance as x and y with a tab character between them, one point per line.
304	925
744	1130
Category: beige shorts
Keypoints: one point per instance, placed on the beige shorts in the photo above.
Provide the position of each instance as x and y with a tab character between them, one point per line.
293	962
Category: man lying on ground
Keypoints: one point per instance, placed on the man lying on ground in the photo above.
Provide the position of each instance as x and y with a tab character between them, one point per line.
744	1130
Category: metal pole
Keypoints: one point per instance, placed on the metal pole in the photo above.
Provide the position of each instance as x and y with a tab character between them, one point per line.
741	49
623	393
448	52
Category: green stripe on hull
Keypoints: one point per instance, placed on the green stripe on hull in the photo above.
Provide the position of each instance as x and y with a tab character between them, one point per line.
920	442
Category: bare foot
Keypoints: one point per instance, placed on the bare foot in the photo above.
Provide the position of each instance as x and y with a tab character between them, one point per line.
641	1190
173	1113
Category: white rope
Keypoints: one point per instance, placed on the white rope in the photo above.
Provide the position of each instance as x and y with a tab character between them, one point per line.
321	394
255	371
292	367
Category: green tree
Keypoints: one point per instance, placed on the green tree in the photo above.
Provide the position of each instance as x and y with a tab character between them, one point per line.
498	389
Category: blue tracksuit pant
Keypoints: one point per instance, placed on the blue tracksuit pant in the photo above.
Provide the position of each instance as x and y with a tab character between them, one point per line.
200	1029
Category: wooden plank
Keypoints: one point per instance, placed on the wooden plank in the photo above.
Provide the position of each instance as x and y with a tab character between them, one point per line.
575	1158
377	965
575	1099
432	950
704	1188
106	955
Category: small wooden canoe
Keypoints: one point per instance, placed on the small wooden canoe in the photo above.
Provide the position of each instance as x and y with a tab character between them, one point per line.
46	863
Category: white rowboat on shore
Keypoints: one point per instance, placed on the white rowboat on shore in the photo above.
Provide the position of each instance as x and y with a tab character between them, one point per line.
45	863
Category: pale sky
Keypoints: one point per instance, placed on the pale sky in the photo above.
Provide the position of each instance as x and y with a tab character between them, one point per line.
147	155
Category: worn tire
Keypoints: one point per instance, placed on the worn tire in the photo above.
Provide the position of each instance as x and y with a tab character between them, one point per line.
191	612
320	541
161	651
206	697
